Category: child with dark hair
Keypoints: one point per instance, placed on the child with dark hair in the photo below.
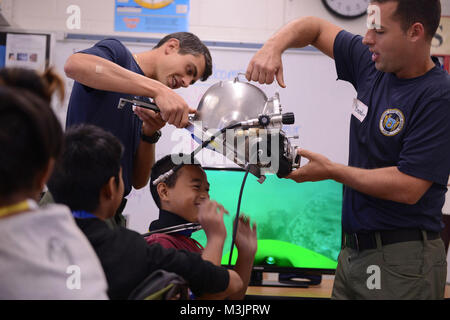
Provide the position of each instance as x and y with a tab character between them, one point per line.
88	179
185	204
44	85
44	254
180	192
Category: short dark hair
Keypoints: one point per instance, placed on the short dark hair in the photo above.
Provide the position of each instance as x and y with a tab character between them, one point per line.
162	166
426	12
30	135
191	44
91	156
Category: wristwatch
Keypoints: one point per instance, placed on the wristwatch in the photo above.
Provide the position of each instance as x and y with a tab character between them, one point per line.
151	139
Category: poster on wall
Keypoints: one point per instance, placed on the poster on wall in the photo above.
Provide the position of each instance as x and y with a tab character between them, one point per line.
441	40
26	51
155	16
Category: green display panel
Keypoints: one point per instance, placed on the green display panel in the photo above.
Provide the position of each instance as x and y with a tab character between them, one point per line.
298	224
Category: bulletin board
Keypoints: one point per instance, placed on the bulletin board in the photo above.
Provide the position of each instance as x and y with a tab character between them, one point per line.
29	50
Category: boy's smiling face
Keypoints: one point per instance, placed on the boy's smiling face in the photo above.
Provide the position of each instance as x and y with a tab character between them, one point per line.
191	189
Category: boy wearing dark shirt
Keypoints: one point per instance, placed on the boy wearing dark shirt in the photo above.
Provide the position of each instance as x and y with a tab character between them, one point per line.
180	196
88	179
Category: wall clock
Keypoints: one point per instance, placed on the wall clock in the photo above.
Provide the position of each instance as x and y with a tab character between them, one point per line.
347	9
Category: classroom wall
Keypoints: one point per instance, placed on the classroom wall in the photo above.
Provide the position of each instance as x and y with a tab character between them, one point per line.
231	20
211	20
249	21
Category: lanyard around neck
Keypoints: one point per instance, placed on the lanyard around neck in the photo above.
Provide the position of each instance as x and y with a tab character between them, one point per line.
80	214
24	205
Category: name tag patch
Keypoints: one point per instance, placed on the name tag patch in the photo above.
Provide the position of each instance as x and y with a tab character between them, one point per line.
359	110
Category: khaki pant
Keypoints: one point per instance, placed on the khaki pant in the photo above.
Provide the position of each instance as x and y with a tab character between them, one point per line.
405	270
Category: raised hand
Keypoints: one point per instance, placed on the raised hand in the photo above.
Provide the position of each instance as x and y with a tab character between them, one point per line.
210	216
317	169
151	121
173	108
265	65
246	239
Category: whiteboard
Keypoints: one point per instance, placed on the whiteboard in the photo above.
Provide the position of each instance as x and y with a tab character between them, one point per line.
322	107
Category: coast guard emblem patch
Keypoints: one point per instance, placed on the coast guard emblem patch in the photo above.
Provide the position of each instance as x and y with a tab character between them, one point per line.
391	122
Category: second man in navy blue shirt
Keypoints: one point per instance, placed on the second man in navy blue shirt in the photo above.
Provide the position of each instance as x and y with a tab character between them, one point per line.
108	71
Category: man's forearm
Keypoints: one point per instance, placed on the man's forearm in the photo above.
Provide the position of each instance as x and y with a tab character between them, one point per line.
296	34
384	183
303	32
102	74
143	163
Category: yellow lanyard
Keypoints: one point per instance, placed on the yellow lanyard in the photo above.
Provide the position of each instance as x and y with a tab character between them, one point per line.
14	208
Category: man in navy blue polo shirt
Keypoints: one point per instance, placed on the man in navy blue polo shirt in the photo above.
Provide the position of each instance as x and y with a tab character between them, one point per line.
399	158
109	71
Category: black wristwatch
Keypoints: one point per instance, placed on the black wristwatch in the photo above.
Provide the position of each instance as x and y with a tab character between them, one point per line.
151	139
